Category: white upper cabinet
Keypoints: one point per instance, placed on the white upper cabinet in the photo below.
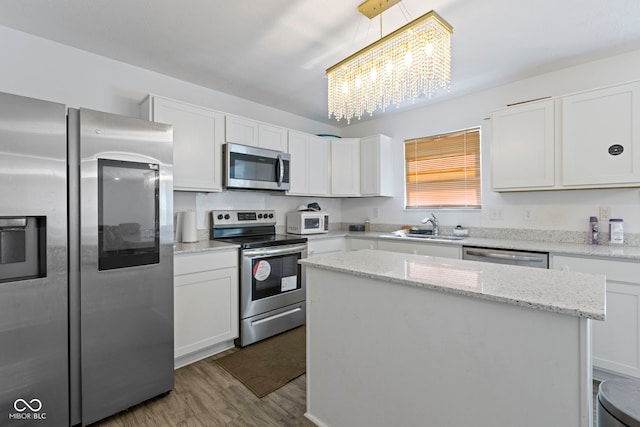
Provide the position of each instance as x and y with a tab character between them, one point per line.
589	139
345	167
299	165
601	137
319	152
340	167
376	174
272	137
198	135
241	130
309	168
523	147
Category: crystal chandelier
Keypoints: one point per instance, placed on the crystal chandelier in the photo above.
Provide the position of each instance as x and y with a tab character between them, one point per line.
409	62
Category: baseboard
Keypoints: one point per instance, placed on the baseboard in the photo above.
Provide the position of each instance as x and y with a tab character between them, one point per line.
190	358
314	420
602	374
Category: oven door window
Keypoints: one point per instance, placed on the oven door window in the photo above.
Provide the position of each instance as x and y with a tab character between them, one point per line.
128	214
274	275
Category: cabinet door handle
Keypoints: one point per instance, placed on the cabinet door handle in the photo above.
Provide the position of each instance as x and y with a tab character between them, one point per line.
505	256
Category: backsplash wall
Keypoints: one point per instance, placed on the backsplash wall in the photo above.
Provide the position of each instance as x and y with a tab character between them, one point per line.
204	203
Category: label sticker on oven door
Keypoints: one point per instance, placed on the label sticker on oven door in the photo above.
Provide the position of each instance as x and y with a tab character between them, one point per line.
288	283
261	270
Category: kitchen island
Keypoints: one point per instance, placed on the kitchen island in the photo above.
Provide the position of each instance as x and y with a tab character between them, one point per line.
401	339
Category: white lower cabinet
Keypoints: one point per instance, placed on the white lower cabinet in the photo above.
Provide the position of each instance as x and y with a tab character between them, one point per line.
421	248
355	244
330	245
616	341
438	249
205	304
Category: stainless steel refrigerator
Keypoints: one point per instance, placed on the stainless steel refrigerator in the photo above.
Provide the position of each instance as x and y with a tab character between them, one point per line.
87	294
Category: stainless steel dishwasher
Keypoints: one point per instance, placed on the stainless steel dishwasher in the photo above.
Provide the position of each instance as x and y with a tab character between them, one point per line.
506	256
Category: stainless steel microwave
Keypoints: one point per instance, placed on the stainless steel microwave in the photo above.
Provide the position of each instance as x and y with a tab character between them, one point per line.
253	168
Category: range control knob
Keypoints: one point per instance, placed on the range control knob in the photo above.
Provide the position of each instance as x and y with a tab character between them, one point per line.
219	216
259	216
270	215
227	216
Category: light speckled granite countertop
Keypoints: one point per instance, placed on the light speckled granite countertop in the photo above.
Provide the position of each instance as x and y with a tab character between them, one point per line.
576	294
559	248
625	252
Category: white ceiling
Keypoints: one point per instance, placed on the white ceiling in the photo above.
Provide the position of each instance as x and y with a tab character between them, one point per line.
275	52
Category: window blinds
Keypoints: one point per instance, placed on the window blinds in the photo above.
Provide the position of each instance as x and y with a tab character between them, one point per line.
443	171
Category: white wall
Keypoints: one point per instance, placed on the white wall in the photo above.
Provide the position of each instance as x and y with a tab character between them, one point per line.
31	66
38	68
35	67
564	210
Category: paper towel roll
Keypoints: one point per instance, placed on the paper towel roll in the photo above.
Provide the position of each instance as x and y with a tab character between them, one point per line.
189	232
177	226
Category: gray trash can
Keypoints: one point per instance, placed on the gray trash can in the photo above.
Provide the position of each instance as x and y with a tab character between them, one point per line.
619	403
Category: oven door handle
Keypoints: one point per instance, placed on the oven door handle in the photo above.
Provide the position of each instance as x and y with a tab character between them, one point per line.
262	252
276	316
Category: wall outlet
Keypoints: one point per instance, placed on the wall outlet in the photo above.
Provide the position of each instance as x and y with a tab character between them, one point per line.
605	213
376	212
496	213
528	214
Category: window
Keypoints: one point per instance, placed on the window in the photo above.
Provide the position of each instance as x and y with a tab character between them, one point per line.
443	171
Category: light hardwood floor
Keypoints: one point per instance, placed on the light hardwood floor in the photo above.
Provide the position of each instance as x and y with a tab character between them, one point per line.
205	395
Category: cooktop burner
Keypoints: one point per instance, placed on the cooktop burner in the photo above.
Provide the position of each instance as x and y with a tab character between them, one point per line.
250	229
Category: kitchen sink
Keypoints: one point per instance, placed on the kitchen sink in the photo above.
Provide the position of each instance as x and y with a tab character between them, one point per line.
432	237
403	235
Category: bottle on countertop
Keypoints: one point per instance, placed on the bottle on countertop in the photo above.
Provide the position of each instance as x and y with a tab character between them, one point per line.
593	230
616	231
367	224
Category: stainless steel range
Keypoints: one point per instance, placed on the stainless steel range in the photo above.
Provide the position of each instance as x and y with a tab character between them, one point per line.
272	284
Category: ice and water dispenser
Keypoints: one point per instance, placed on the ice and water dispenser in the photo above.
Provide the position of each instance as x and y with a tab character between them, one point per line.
22	248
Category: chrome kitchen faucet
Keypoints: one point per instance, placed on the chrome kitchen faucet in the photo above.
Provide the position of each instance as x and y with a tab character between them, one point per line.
434	222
